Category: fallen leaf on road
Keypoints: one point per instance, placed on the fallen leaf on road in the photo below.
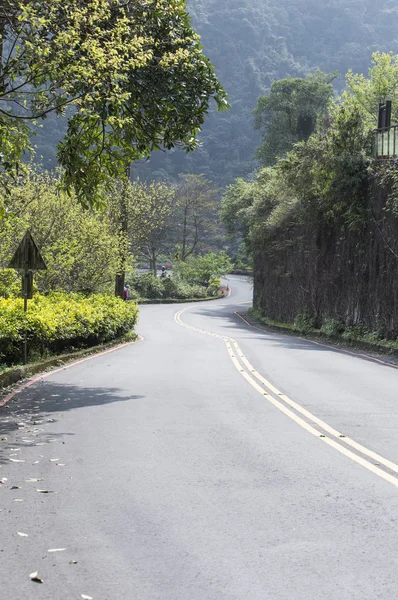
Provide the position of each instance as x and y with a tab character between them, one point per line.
18	500
56	550
22	534
35	577
61	465
73	562
86	597
36	462
16	460
44	491
54	459
32	480
4	480
15	487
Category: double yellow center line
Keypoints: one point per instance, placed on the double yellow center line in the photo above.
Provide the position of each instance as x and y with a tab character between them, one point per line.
368	459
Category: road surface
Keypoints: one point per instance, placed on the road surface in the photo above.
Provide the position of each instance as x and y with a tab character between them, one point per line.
211	461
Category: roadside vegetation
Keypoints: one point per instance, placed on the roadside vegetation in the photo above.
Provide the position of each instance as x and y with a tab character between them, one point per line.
198	277
58	323
113	73
333	331
85	251
320	219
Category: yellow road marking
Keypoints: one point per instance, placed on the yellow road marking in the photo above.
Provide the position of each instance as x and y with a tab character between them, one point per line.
234	351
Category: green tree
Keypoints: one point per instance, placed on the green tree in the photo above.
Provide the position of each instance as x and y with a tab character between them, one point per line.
196	219
199	269
151	221
80	246
289	113
133	74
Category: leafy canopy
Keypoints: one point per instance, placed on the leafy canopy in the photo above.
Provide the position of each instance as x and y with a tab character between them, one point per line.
132	73
289	113
200	269
325	179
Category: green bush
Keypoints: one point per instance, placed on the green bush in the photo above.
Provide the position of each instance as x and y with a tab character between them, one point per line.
304	322
10	283
61	322
198	270
155	288
331	326
214	286
147	286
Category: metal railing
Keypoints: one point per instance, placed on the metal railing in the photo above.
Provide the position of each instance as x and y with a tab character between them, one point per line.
387	142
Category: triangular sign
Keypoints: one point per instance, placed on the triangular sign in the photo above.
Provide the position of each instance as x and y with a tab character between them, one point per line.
27	255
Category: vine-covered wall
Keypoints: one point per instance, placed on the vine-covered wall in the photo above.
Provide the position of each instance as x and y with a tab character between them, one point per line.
333	273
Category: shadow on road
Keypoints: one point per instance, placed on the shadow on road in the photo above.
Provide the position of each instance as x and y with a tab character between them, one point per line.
284	340
37	406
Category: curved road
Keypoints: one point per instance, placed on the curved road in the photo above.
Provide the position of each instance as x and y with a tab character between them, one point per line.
212	461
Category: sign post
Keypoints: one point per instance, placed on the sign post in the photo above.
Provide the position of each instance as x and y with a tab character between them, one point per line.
27	259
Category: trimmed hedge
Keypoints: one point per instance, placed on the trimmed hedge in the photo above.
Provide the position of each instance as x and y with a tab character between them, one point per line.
61	322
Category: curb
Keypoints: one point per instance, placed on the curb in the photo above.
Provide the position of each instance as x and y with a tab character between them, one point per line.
15	374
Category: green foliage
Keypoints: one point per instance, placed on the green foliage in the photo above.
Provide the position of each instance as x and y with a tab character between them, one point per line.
80	247
10	283
195	216
133	73
332	326
214	286
304	322
61	322
254	43
198	270
139	214
181	219
289	113
147	286
324	180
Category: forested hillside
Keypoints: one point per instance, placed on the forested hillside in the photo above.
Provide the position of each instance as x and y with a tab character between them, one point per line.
253	43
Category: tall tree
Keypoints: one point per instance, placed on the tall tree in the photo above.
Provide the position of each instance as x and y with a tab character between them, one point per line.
196	215
288	114
133	73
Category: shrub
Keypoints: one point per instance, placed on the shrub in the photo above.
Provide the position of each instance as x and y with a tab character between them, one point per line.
61	322
304	322
198	270
147	286
10	283
150	287
331	326
214	286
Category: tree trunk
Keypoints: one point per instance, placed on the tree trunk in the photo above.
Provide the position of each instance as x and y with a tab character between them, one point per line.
184	235
152	264
123	229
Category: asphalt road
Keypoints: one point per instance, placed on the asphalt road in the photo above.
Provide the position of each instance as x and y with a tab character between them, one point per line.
205	463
